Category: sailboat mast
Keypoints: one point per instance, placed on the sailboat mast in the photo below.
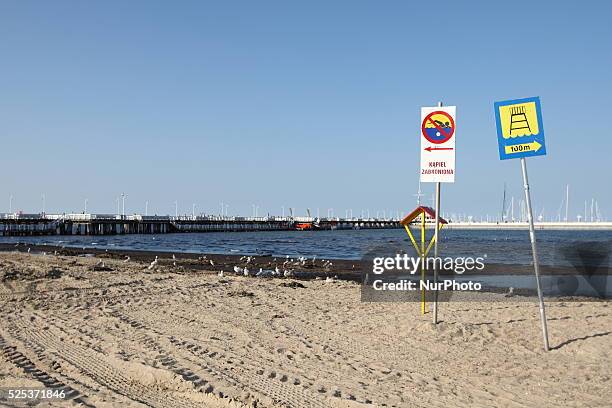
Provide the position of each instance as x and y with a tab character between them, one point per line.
503	204
567	203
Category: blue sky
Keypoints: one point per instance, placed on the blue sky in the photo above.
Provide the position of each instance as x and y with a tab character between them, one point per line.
295	104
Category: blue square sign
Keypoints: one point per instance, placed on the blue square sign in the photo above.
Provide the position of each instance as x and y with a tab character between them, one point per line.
520	131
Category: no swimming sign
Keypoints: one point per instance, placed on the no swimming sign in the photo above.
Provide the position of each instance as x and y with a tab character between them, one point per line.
438	130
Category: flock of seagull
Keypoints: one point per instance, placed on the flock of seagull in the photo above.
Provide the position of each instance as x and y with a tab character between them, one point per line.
286	269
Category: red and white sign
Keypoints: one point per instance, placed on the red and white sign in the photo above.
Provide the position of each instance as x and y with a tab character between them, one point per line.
438	130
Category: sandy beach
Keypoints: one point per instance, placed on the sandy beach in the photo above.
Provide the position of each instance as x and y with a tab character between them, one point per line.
121	334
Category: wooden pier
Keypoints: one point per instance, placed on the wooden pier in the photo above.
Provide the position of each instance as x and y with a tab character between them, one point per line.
114	224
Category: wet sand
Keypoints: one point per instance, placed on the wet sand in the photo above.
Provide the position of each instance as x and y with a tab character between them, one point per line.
116	333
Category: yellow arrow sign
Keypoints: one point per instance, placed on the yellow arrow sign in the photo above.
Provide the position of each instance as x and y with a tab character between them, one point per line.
523	147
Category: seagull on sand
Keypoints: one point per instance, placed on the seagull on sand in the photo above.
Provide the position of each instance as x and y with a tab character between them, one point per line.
220	274
211	263
287	273
127	259
510	292
238	269
154	263
277	271
29	249
245	271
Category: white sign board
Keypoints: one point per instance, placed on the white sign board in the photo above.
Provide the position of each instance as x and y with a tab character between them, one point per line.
438	144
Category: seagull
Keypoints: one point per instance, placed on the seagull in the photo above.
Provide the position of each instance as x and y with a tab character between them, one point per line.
55	253
510	292
127	259
211	262
245	271
154	263
277	271
329	279
238	269
220	274
29	250
287	273
173	257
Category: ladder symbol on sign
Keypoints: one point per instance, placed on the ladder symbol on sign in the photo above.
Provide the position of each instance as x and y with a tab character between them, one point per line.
518	117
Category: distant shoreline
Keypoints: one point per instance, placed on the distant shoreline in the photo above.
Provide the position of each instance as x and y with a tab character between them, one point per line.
557	226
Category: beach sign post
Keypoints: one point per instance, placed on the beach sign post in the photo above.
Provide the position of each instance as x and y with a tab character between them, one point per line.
520	134
438	126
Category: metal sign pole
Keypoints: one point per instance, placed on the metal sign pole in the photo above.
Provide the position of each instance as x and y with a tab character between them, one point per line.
435	271
423	298
437	226
535	252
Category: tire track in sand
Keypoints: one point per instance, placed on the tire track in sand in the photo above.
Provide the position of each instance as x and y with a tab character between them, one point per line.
91	364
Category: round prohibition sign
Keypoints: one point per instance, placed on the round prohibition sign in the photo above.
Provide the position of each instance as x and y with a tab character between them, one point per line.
442	134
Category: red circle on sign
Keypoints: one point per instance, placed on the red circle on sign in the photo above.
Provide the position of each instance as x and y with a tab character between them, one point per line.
447	132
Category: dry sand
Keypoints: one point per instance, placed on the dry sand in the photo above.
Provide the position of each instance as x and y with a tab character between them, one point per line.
175	337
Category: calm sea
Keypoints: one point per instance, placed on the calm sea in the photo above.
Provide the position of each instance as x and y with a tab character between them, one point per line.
505	247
